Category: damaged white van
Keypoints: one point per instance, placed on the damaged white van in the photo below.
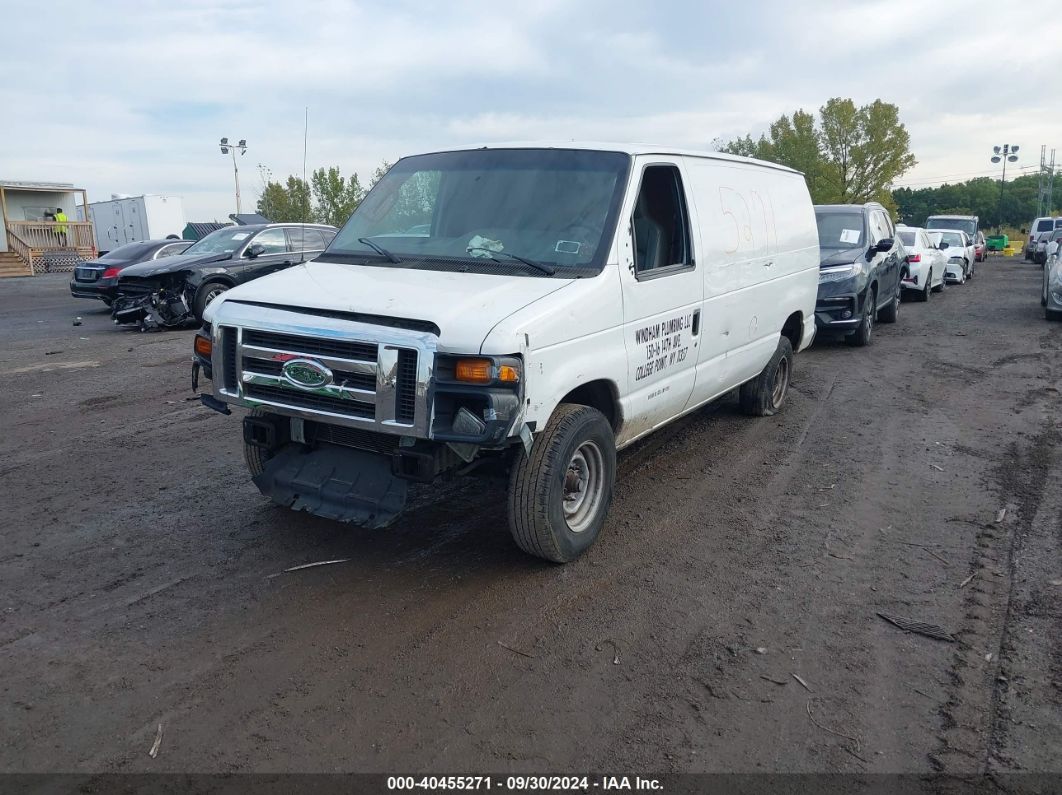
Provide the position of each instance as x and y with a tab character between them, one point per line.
526	309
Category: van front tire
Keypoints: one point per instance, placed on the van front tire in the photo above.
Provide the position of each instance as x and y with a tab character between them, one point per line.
765	394
560	493
255	457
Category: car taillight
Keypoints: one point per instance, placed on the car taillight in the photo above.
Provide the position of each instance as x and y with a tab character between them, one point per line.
111	273
914	258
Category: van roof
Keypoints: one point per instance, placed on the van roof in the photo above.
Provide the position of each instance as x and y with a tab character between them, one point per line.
964	217
624	148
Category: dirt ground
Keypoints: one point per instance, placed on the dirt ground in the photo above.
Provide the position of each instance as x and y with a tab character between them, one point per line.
137	581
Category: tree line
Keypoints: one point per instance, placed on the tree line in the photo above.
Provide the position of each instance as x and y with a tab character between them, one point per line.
978	197
851	155
326	198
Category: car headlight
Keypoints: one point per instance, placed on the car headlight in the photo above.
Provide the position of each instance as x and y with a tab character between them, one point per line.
838	273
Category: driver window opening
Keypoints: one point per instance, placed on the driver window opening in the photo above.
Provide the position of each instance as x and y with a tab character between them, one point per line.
661	227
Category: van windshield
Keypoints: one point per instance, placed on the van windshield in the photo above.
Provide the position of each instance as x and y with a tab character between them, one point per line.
488	209
967	225
840	230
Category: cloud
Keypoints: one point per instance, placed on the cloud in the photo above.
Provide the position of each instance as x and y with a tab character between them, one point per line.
132	97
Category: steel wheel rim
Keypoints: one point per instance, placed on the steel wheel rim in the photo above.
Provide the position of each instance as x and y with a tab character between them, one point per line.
583	485
781	382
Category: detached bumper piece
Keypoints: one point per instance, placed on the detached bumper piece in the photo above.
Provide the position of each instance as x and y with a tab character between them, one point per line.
337	483
162	309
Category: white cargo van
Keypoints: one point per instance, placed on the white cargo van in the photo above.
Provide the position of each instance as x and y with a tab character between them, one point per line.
522	308
1044	223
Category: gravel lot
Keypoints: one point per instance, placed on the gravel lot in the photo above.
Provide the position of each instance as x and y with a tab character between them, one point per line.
136	587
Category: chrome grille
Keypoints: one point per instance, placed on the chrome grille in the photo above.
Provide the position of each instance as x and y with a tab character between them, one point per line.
379	375
310	346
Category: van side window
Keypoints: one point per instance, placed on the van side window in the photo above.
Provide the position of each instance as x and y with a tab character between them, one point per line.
660	223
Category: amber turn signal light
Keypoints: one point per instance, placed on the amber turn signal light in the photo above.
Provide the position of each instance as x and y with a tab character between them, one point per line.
473	371
508	374
203	346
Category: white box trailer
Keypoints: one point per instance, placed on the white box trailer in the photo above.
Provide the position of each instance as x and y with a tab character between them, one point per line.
130	219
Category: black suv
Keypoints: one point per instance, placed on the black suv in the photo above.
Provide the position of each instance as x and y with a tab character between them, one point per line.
173	291
861	265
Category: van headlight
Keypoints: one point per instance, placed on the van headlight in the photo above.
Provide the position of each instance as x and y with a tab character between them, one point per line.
838	273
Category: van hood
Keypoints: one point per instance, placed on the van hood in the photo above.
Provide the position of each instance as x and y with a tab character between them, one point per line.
174	264
465	306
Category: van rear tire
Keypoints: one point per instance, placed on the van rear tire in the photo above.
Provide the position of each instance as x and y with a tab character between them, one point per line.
765	394
559	495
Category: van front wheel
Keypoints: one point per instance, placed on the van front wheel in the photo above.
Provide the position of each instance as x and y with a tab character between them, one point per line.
764	394
560	493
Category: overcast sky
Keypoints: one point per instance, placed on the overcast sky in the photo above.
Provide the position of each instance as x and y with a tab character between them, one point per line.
132	97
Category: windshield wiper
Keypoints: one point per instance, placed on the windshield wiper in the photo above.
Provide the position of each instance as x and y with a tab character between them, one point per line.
546	269
383	252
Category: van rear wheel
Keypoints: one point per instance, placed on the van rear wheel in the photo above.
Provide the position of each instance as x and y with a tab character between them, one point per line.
560	493
764	394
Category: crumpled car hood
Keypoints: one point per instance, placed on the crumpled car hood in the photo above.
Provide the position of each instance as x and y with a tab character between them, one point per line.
179	262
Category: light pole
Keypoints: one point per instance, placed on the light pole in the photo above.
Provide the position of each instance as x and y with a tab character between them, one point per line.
1005	153
226	148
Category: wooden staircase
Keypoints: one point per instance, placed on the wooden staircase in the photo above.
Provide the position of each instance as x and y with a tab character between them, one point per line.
12	265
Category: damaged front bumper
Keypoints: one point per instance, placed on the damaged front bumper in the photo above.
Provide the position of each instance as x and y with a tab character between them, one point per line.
152	305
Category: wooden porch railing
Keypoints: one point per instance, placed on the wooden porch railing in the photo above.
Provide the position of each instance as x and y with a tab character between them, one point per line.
47	235
19	247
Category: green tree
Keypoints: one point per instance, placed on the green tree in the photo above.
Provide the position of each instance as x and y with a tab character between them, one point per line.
379	173
335	197
284	203
848	155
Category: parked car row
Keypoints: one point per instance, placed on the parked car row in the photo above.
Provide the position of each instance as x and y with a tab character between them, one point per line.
166	283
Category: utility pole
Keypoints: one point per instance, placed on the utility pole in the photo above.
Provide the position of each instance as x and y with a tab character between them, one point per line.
226	148
1005	153
1040	187
1049	198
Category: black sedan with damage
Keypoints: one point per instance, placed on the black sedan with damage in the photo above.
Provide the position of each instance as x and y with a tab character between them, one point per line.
175	291
98	278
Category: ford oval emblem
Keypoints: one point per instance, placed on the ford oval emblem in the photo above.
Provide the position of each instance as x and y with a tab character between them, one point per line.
306	373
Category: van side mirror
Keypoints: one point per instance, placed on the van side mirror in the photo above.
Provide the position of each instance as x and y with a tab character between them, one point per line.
942	245
884	245
254	250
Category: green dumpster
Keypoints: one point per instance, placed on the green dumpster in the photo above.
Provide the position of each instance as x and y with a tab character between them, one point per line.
996	242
